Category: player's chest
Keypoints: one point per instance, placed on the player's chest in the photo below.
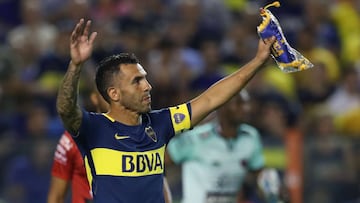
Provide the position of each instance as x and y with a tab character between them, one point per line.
138	138
223	153
133	152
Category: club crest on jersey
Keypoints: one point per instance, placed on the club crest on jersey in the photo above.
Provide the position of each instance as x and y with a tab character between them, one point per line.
151	133
179	117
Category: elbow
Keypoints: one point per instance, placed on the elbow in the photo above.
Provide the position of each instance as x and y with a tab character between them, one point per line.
65	110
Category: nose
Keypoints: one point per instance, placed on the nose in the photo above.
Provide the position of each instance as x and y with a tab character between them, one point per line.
148	87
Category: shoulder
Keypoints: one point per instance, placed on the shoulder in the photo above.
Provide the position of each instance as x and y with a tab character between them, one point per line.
246	129
65	148
92	114
93	117
181	108
66	141
203	130
160	115
158	112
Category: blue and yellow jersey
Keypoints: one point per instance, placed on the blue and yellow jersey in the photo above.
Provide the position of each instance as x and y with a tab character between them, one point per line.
127	162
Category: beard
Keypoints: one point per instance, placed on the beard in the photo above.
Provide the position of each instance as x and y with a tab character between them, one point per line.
146	109
137	106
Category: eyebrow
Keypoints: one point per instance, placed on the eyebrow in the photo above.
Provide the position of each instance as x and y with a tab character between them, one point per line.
137	78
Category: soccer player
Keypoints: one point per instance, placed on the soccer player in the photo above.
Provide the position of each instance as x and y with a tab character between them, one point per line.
218	156
125	147
68	165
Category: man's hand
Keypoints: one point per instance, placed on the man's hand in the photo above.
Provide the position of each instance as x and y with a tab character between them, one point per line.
81	44
264	48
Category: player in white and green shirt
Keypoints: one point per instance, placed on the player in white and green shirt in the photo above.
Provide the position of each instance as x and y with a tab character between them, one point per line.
216	156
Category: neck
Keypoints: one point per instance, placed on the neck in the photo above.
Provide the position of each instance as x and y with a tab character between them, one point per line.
125	116
227	130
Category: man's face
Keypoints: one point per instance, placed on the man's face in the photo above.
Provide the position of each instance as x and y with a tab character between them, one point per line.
134	88
236	111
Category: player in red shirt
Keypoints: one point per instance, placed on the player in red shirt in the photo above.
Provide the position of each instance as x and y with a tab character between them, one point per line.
68	166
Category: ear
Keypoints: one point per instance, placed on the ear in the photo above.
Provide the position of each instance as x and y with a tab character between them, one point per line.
114	93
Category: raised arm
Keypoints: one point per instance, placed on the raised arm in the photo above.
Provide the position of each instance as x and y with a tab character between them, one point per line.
223	90
81	45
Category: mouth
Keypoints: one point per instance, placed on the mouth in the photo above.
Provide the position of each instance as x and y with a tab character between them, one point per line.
147	99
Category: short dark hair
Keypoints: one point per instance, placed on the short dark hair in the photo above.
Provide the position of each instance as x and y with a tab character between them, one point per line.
108	68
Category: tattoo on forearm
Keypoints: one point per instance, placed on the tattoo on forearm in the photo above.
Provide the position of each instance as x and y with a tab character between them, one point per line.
67	106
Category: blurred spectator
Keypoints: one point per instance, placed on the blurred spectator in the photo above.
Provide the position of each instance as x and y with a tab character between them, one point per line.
7	75
53	10
275	80
105	14
28	42
179	32
28	177
51	67
213	70
105	11
215	18
170	74
76	10
307	45
201	19
7	151
34	30
141	17
325	33
330	173
237	46
9	16
348	11
36	123
274	117
236	6
316	87
344	103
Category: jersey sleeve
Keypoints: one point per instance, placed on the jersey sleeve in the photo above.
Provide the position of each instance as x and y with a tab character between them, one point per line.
180	117
84	128
63	162
181	147
257	159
